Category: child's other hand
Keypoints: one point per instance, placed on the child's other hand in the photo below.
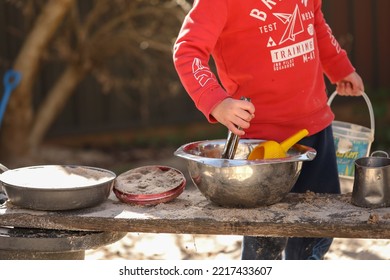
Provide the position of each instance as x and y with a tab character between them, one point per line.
234	113
350	85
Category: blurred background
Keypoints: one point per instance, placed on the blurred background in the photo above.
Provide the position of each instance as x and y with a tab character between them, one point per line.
98	74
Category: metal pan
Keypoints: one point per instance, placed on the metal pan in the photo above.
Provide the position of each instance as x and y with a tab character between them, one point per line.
56	187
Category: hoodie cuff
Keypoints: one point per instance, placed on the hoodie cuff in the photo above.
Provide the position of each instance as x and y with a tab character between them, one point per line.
209	99
339	70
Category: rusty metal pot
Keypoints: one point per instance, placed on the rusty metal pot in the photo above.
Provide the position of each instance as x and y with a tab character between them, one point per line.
56	187
371	186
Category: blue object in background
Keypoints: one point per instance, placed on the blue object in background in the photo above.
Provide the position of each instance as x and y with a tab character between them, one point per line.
10	81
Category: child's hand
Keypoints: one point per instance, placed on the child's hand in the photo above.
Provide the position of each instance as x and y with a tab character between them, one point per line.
350	85
234	113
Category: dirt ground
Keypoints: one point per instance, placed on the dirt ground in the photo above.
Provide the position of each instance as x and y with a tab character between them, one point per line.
148	246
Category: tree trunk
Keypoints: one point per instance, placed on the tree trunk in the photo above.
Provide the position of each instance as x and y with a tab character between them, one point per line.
55	101
19	114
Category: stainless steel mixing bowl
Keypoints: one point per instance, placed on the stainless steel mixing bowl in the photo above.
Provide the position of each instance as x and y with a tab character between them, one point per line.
240	182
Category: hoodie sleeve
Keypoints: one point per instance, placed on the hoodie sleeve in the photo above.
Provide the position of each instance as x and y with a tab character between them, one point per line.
192	50
334	59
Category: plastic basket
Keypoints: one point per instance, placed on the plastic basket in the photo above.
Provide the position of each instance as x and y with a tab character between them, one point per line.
352	141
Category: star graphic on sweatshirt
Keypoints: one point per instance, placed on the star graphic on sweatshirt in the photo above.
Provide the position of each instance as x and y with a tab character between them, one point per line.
293	22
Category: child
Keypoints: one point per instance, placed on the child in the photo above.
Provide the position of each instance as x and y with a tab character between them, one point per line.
276	53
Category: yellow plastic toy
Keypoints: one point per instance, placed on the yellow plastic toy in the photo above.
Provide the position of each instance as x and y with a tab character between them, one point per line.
272	149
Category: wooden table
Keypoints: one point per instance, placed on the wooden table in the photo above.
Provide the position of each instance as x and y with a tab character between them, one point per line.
299	215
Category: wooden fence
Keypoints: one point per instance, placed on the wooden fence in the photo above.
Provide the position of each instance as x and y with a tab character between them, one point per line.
362	27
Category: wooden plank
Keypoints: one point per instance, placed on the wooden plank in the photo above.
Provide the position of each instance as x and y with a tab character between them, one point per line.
310	215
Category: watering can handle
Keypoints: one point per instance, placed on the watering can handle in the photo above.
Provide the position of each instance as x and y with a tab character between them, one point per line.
370	110
380	152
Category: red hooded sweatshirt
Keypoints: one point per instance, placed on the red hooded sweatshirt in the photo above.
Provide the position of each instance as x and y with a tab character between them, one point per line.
275	52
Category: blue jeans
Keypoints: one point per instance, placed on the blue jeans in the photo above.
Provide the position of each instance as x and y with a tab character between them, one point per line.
271	248
320	176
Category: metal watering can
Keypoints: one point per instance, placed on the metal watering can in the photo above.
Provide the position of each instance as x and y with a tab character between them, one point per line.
371	186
